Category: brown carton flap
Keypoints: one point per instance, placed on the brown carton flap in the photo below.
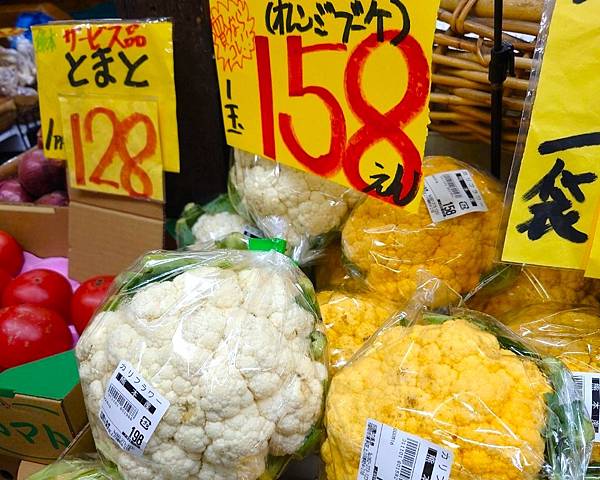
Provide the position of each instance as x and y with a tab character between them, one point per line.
142	208
41	230
105	242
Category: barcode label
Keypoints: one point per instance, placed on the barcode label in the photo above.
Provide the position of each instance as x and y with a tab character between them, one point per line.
452	194
588	387
391	454
409	459
451	185
131	409
127	407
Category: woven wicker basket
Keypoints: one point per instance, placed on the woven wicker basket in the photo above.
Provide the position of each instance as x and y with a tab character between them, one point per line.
460	99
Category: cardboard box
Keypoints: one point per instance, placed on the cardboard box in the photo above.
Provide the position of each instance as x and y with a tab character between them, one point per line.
9	467
107	233
41	408
81	445
41	229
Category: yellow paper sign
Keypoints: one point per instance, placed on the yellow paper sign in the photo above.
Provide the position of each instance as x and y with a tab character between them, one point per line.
112	145
338	88
553	211
131	60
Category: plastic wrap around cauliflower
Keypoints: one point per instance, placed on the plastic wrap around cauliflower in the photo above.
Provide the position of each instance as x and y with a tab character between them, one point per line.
213	225
232	339
390	245
287	203
465	383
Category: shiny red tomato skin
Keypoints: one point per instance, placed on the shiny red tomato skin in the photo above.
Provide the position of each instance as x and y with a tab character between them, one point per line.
45	288
87	298
29	333
11	254
5	279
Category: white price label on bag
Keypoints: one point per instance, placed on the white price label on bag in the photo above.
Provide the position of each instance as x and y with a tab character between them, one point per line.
452	194
588	387
390	454
131	409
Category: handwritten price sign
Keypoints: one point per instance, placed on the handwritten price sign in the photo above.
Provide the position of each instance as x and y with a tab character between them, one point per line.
130	60
554	213
112	146
336	88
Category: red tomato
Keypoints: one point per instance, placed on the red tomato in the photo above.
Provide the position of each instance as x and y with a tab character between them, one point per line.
41	287
11	254
5	279
29	333
87	298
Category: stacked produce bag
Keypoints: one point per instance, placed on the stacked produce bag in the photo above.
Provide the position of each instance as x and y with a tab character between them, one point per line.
229	348
419	357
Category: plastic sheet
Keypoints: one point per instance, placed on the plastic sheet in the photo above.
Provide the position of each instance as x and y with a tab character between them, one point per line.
389	245
329	269
512	286
77	469
304	209
214	225
351	316
232	340
567	332
468	385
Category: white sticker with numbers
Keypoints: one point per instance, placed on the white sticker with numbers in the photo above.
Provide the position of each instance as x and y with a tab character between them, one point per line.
131	409
390	454
588	387
452	194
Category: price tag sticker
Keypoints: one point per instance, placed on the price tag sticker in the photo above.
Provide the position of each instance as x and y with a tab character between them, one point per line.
452	194
339	89
391	454
131	409
113	145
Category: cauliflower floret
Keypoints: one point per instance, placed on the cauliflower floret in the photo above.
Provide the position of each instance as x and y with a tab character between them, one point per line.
215	343
390	245
214	227
452	384
288	203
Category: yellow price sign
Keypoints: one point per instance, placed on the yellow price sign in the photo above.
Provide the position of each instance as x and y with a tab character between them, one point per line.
115	59
557	192
113	146
339	89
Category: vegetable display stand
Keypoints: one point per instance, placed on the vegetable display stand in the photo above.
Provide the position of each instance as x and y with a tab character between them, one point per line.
461	95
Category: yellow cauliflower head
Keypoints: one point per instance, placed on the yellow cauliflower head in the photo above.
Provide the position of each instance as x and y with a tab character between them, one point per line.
350	318
535	285
451	384
390	245
569	333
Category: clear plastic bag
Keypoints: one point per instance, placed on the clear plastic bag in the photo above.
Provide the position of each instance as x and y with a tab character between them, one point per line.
389	245
512	286
570	333
465	383
350	316
304	209
213	225
77	469
233	340
329	270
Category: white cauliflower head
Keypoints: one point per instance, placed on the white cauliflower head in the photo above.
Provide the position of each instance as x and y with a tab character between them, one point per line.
287	203
213	227
232	339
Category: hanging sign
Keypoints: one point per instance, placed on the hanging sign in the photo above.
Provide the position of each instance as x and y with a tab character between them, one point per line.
337	88
117	73
113	144
557	191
